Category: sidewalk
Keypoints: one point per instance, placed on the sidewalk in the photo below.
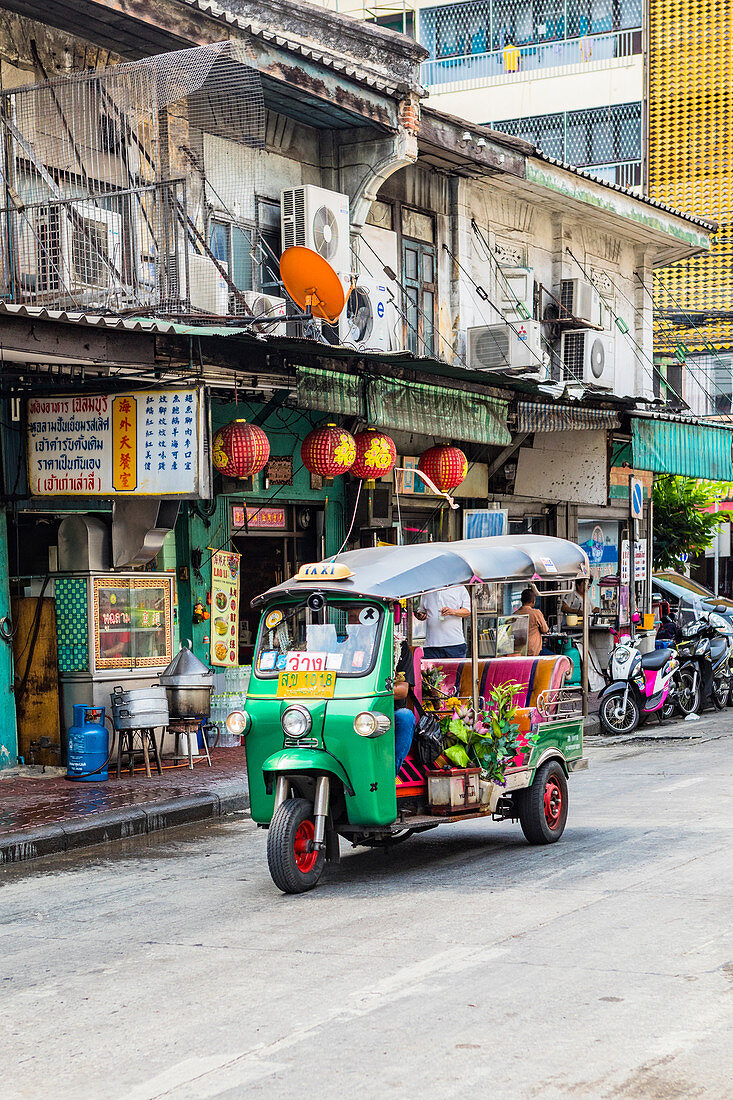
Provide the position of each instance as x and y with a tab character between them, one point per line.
41	814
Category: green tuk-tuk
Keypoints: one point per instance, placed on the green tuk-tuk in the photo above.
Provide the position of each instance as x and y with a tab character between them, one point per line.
320	713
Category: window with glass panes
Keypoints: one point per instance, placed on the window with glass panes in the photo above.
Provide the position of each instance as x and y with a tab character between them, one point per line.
231	244
269	247
419	280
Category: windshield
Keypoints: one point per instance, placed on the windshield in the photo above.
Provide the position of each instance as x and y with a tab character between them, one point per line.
342	637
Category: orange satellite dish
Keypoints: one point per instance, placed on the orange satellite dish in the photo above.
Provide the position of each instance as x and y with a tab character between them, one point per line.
312	283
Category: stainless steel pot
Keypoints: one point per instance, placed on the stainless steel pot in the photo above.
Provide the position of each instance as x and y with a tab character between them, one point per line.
189	702
139	708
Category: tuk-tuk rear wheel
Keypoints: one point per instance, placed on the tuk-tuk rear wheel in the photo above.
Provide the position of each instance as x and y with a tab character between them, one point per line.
543	807
293	864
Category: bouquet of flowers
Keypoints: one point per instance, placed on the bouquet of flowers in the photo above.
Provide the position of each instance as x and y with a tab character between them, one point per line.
489	739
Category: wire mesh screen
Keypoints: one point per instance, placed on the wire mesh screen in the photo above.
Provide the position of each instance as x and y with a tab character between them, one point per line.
604	139
102	178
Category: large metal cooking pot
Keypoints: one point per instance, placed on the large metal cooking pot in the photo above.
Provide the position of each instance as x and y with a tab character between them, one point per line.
139	708
185	670
188	683
189	702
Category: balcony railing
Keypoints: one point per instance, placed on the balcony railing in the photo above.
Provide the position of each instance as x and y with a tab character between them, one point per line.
514	62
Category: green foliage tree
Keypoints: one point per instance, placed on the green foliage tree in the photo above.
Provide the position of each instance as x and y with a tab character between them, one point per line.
681	526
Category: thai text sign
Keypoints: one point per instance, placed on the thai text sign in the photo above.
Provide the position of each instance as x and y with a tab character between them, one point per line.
224	608
148	443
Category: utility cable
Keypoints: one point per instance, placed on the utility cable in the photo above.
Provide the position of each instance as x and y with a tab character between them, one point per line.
624	328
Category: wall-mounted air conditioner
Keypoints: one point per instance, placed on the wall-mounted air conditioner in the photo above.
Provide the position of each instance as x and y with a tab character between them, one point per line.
506	347
74	249
580	299
588	357
313	217
265	307
516	288
208	291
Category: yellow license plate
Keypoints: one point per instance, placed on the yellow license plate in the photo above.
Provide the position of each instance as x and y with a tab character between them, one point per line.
300	685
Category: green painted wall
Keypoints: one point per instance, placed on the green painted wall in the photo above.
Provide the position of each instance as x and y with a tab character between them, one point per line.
8	729
286	429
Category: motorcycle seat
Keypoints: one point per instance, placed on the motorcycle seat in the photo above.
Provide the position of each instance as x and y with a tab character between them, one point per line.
655	660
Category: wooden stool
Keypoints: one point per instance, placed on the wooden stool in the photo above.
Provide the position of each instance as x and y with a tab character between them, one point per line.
126	744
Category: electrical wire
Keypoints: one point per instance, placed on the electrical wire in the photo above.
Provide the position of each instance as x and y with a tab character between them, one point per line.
488	251
353	521
639	352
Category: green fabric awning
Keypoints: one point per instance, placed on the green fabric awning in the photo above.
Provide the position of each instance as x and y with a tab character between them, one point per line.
406	406
677	447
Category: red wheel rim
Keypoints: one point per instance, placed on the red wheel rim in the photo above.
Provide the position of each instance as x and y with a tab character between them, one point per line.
305	860
553	803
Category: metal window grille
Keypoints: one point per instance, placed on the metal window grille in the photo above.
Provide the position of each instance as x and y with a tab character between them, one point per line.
606	139
103	193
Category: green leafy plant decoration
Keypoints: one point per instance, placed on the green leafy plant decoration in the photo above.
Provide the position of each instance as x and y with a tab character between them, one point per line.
489	739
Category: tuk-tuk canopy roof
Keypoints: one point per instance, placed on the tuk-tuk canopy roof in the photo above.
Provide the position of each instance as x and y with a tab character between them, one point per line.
399	572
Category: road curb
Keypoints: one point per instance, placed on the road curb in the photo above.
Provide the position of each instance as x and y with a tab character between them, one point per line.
122	822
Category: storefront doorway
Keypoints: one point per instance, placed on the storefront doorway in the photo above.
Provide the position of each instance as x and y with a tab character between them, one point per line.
270	556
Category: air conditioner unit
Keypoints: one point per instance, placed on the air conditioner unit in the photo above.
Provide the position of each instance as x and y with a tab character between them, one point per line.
580	299
370	320
516	285
506	347
208	291
264	306
73	249
313	217
588	357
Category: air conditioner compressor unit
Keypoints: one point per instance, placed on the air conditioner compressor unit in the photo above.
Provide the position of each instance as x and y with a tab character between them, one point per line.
265	307
312	217
588	357
516	347
580	299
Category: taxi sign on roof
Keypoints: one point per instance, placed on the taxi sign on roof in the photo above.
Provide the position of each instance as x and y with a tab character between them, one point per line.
324	570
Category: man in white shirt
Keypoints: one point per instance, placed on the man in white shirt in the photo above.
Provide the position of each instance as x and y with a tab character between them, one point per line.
444	612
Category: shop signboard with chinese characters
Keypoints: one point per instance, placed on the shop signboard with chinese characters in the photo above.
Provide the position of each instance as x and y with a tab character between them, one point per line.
148	443
224	608
260	517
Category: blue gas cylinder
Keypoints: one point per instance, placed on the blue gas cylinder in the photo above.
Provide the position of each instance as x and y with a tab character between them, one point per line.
88	745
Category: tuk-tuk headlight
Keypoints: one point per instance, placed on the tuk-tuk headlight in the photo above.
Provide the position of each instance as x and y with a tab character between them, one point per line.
238	722
368	723
296	721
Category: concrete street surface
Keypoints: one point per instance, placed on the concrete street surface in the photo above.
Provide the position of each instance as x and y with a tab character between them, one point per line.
463	963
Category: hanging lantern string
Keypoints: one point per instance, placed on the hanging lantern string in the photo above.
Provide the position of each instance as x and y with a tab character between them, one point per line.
353	520
265	505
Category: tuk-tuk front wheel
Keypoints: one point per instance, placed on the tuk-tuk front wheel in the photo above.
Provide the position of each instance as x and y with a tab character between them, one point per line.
294	865
543	807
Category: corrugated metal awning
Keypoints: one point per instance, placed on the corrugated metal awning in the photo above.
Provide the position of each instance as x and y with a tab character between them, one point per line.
540	416
690	450
406	406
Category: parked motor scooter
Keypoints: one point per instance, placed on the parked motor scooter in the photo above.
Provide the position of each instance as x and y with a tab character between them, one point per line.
641	684
704	646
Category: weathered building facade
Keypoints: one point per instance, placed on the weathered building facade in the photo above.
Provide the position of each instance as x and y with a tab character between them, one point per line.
157	160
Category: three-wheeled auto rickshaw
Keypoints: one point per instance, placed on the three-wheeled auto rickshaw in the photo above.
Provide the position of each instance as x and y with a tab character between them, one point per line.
320	714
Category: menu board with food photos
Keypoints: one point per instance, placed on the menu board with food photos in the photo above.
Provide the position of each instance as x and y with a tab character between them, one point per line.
225	608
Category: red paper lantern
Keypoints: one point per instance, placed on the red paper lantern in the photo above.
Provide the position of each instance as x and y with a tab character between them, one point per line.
376	454
328	451
445	466
240	449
